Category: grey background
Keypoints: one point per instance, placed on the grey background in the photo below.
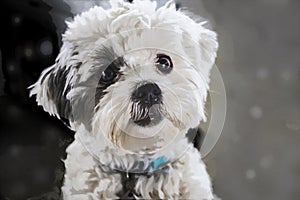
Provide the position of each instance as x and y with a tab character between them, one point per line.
257	155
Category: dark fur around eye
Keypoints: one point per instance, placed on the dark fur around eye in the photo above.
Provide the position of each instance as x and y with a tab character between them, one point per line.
108	77
111	72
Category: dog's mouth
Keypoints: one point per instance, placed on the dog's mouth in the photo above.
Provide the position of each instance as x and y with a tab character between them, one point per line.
146	116
151	119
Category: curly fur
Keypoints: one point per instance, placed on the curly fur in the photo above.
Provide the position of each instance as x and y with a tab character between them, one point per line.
129	37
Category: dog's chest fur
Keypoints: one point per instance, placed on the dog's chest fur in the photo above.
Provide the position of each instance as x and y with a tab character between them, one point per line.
184	178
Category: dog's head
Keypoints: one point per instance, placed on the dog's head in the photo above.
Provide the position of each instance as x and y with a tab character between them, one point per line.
130	72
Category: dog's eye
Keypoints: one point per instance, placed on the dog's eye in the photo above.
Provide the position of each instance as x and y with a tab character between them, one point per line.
164	63
108	75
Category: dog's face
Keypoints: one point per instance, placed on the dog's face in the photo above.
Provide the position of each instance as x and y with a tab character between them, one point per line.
134	74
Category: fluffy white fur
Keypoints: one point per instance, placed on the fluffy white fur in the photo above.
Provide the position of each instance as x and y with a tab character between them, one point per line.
105	138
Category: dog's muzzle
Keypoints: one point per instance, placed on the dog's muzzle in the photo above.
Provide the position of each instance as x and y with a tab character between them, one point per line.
146	105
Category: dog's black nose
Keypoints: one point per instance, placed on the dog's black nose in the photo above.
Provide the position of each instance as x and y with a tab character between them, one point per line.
148	94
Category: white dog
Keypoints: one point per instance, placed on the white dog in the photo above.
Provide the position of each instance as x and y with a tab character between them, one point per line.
131	80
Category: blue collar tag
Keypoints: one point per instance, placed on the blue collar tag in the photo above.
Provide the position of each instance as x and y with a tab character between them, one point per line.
155	164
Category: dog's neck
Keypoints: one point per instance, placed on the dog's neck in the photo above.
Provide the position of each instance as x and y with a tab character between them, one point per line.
111	158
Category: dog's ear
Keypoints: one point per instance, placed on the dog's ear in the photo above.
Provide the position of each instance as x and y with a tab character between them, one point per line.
52	87
208	45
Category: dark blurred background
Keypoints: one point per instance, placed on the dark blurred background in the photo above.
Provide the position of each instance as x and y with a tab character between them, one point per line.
32	143
257	156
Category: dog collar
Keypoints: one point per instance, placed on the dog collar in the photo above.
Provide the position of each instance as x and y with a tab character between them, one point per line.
158	162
